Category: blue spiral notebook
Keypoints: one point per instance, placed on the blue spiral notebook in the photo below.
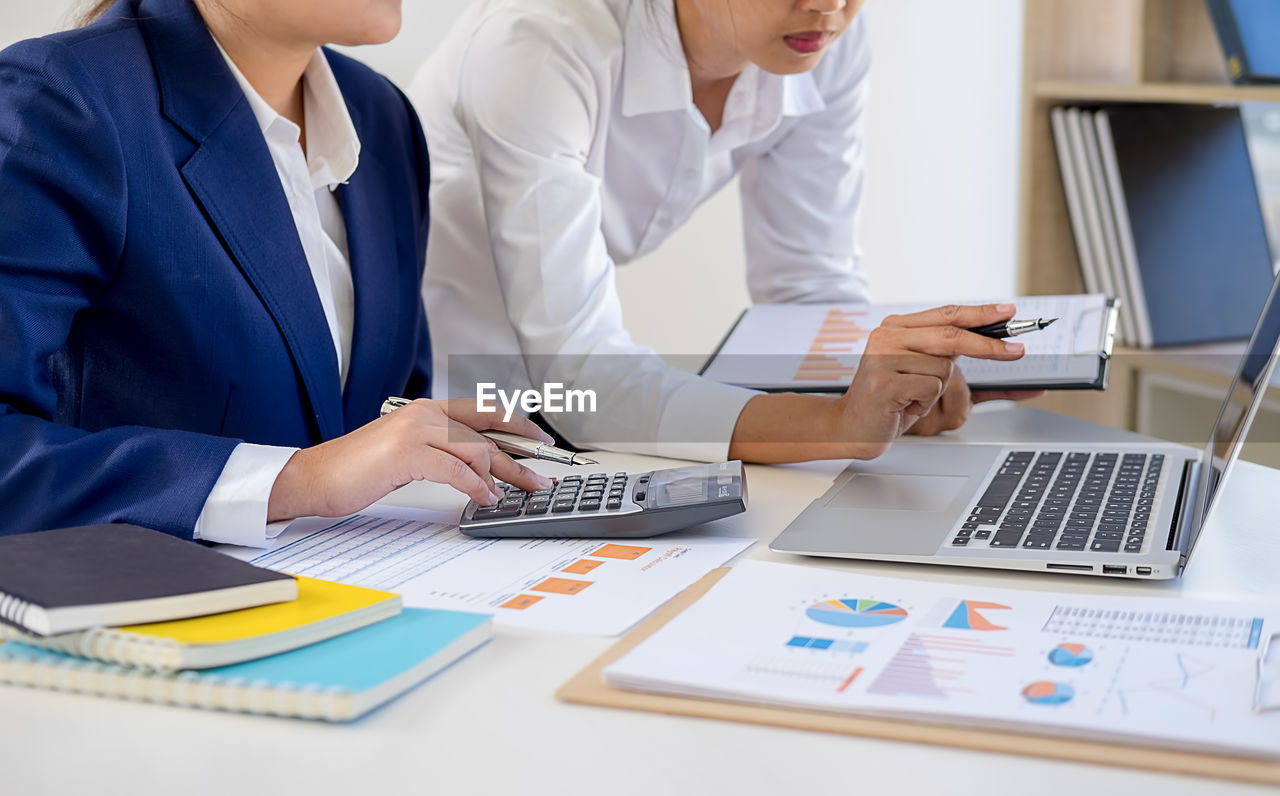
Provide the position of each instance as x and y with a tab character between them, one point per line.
335	680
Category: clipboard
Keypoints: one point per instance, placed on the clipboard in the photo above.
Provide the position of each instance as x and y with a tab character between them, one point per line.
1097	381
588	688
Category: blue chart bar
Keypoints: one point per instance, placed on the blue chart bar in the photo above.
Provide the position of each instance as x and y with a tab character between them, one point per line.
830	644
1255	633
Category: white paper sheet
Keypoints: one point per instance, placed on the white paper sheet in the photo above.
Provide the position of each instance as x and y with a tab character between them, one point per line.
817	346
1161	671
574	585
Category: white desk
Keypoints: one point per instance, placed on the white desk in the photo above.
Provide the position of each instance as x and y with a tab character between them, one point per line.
490	725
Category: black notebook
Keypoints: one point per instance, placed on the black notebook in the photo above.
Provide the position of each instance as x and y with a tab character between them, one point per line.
77	578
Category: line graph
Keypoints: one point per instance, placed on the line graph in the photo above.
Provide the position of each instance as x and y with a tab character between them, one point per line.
1177	683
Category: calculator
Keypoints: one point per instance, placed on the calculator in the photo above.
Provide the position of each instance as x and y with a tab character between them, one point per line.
624	505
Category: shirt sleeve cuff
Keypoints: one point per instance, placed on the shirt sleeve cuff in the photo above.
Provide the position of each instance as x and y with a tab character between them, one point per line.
236	510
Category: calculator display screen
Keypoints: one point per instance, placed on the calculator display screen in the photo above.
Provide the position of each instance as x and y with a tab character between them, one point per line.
679	487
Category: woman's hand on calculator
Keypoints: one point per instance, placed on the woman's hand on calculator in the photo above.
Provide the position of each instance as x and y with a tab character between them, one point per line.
423	440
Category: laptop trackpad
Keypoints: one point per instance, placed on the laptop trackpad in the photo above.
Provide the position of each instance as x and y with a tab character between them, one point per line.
892	492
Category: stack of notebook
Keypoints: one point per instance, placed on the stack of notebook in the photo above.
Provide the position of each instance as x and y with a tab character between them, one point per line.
1166	217
127	612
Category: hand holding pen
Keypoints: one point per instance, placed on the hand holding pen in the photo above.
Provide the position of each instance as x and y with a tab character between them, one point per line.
512	443
906	379
1011	328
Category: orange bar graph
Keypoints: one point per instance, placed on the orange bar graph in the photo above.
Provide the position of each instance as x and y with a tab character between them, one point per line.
521	602
562	586
625	552
582	566
839	333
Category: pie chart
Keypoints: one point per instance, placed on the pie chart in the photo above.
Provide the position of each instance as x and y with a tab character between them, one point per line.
856	613
1070	655
1047	692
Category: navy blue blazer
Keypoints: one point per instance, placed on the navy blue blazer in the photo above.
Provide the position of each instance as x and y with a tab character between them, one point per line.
156	307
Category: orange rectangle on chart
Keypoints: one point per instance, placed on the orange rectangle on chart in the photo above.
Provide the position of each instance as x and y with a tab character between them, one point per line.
840	337
582	566
624	551
562	585
825	367
521	602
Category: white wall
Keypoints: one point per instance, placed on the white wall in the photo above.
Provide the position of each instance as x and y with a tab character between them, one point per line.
941	204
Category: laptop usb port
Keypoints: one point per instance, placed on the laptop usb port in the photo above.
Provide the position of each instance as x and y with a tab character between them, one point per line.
1072	567
1142	570
1114	569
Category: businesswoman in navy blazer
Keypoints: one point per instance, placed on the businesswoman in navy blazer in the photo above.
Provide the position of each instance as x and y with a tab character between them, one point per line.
212	235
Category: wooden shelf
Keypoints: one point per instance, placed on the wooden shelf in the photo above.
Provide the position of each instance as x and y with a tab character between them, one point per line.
1189	93
1113	51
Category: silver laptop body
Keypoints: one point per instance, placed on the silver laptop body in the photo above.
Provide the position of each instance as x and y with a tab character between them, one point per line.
1121	510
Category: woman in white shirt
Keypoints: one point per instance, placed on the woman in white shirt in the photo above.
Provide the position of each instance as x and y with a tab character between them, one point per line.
569	137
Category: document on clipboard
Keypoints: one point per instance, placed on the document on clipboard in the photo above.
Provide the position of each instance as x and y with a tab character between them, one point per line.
817	347
1150	671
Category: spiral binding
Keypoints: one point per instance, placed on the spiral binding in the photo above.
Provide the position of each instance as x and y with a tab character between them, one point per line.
106	644
13	610
184	689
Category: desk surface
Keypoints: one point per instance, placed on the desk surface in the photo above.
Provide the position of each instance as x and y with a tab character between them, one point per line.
492	725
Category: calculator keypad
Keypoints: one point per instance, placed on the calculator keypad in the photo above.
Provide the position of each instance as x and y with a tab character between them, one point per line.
572	493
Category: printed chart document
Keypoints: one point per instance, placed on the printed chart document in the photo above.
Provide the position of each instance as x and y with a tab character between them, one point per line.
1158	671
816	347
574	585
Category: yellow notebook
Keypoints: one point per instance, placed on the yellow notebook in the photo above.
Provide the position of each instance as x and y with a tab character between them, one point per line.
323	610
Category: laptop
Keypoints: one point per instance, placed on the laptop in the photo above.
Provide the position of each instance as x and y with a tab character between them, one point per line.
1122	510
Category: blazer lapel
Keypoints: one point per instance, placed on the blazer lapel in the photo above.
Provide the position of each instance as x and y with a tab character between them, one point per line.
379	288
233	177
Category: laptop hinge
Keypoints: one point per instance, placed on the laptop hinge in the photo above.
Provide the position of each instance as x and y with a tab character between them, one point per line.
1184	507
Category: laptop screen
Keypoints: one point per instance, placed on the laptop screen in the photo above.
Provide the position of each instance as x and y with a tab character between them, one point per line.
1241	404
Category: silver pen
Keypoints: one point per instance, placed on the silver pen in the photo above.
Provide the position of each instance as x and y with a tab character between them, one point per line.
1006	329
511	443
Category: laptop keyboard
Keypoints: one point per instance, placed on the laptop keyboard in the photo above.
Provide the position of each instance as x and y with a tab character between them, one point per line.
1099	502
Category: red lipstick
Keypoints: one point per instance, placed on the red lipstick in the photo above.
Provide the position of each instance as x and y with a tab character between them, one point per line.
809	42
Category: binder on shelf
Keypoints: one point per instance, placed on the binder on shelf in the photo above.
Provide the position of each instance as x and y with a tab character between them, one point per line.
1199	242
1166	216
1065	141
1092	220
1248	31
1110	239
1126	255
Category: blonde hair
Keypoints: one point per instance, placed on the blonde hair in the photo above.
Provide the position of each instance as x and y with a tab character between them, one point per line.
93	9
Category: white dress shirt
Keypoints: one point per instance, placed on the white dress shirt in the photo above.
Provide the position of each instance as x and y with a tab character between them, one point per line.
564	140
236	509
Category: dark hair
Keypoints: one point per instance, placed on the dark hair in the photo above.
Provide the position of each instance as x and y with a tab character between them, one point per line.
92	10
